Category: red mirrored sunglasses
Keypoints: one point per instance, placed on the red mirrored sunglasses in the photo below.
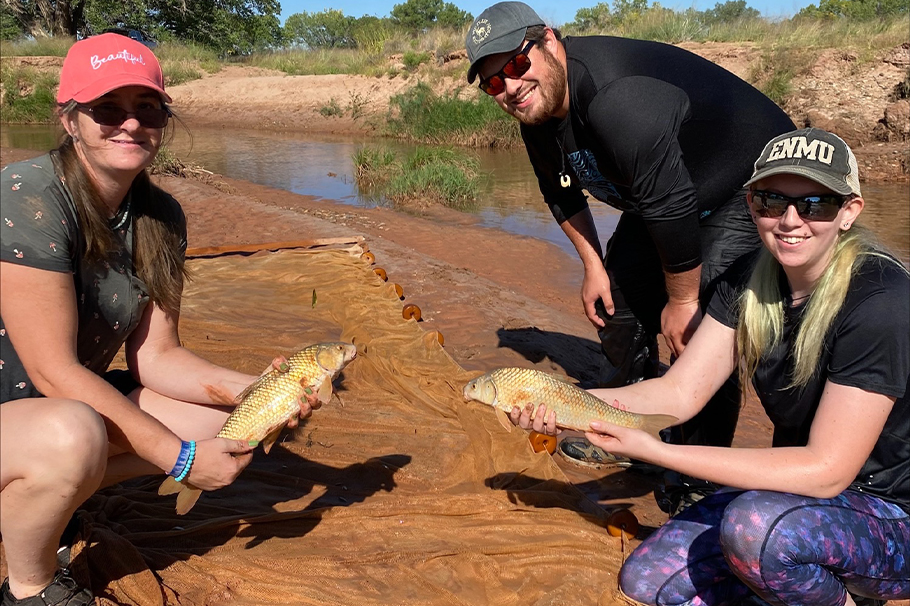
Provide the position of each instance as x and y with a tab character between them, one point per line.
516	67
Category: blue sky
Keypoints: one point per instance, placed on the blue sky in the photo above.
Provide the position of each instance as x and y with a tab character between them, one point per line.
555	12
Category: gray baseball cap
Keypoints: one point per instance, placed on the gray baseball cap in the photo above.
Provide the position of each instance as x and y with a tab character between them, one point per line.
812	153
498	29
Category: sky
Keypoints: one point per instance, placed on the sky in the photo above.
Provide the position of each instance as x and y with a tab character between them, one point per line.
554	12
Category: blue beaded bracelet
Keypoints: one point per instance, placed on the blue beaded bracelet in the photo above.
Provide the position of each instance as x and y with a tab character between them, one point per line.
189	462
180	465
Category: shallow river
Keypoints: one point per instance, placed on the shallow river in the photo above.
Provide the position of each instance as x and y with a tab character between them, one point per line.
321	166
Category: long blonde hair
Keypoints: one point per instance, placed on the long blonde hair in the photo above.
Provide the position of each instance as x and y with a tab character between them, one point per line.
761	319
158	226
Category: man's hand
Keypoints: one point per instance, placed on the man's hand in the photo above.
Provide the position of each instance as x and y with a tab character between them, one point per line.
678	322
596	285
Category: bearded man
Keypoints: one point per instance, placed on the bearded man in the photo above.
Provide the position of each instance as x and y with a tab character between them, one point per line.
662	135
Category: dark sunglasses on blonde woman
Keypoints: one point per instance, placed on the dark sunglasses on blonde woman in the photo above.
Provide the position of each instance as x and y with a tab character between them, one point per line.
114	115
516	67
822	207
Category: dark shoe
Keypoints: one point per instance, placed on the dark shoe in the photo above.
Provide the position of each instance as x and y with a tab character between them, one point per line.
862	601
680	492
581	452
63	591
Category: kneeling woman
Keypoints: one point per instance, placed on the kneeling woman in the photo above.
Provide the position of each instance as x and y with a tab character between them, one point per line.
92	258
819	322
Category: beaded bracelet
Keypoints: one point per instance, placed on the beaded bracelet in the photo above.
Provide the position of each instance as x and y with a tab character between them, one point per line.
181	460
189	462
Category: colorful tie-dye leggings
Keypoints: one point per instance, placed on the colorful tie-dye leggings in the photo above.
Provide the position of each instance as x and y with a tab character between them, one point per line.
788	549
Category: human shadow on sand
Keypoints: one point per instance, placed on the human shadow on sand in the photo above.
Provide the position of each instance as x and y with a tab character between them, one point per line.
583	498
579	358
142	528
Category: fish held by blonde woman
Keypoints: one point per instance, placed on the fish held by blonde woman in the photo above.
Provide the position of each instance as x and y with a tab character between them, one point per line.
266	406
575	408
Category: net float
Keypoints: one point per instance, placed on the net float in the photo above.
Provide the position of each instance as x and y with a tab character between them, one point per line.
381	273
542	442
399	291
440	338
622	522
411	311
368	257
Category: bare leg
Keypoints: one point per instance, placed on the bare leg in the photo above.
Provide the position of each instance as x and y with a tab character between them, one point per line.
188	421
53	455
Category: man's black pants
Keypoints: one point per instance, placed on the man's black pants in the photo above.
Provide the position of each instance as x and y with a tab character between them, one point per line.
629	339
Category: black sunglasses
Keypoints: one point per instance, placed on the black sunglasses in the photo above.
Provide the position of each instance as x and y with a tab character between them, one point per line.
516	67
114	115
821	207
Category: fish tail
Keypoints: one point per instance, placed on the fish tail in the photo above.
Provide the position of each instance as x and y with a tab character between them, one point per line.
653	424
187	495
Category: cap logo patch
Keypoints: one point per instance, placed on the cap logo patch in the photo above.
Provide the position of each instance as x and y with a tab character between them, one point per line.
480	31
801	147
123	55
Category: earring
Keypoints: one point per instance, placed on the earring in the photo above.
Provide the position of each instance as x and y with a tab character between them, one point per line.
846	226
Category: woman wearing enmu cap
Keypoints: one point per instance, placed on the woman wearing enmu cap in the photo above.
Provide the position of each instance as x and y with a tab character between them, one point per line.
92	258
818	322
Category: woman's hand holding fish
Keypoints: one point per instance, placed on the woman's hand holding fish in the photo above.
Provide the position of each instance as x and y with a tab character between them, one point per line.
624	441
544	421
218	462
308	403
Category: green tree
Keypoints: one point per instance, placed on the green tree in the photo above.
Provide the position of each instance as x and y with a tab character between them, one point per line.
10	27
856	9
729	11
224	25
595	17
419	15
327	29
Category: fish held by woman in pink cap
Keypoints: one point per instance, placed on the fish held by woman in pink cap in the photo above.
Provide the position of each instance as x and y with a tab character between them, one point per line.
92	256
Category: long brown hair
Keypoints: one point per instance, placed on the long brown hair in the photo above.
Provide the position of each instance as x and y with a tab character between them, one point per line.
158	226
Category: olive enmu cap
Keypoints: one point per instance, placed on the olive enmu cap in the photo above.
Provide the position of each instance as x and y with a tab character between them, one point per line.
812	153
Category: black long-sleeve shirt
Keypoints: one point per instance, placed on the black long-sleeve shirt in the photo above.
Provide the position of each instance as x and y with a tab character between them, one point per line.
653	130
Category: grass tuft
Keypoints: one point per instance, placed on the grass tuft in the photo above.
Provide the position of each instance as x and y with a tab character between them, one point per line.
427	175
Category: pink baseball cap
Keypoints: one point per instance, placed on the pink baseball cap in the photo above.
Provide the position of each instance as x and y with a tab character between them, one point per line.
99	64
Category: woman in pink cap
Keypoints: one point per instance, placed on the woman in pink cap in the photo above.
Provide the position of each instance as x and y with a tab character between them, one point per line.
93	258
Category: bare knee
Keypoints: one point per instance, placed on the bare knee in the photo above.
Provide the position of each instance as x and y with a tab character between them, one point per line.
68	445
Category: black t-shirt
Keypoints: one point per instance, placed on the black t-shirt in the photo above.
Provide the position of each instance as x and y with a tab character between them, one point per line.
867	346
652	130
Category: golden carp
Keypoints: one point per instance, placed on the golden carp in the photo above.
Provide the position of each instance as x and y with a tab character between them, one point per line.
266	406
506	388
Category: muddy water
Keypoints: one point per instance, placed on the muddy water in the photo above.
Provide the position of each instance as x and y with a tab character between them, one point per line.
321	166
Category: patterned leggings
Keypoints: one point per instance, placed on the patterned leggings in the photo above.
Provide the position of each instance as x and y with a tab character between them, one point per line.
790	550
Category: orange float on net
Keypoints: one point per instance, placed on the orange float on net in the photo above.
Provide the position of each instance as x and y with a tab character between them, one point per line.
541	442
622	522
368	257
381	273
440	338
411	311
399	291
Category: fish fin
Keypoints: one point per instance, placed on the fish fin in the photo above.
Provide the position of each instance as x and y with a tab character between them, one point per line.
187	498
250	388
272	437
169	486
653	424
325	390
187	494
503	419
